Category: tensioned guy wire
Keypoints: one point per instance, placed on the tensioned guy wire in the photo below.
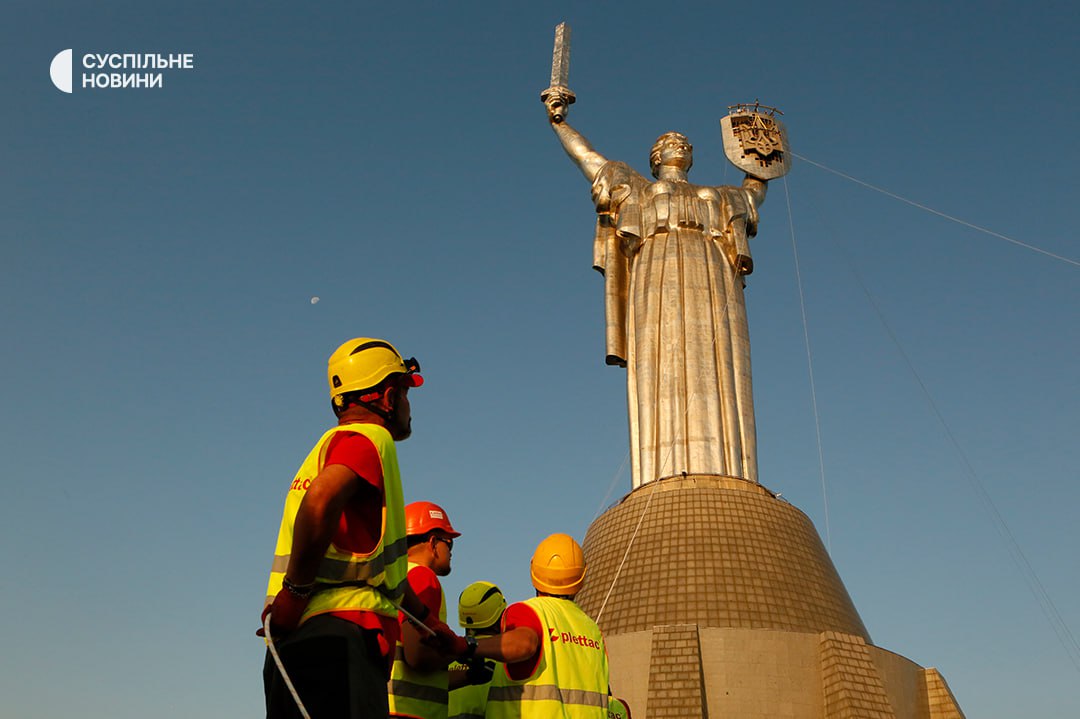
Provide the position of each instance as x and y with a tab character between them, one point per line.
1060	628
611	487
810	368
932	211
1035	585
1050	610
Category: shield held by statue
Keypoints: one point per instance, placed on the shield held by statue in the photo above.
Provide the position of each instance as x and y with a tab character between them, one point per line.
756	143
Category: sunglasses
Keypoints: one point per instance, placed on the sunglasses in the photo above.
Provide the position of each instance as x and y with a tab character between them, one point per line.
448	541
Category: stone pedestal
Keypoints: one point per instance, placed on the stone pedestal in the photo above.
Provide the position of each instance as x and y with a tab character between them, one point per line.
728	605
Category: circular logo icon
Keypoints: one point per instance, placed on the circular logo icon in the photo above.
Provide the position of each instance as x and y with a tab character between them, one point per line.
60	71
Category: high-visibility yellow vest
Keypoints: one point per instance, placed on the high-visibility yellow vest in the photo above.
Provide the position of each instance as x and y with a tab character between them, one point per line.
617	709
470	701
416	694
345	580
571	679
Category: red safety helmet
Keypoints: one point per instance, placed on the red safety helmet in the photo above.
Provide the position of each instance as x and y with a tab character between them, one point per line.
424	517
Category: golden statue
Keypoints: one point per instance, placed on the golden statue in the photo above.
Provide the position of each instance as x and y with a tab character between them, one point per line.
674	256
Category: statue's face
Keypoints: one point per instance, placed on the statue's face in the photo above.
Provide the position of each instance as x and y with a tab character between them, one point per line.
673	150
676	151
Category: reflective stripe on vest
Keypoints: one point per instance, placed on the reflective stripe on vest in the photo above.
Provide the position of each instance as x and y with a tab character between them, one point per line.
348	581
412	693
548	692
344	570
571	679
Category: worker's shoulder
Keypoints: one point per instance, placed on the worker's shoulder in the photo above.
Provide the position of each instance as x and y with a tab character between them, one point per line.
521	614
350	435
421	576
351	448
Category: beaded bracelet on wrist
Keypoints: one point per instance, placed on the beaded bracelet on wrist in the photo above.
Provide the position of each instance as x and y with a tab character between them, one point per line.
302	591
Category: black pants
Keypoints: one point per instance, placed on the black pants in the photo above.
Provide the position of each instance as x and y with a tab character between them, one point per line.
337	670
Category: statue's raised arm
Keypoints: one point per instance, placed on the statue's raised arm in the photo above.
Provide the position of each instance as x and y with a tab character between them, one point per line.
558	98
588	160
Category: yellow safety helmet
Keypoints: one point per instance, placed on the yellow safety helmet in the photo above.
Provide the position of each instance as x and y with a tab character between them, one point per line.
618	708
558	566
480	606
363	363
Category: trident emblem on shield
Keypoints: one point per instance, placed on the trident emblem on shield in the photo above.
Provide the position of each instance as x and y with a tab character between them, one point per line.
755	141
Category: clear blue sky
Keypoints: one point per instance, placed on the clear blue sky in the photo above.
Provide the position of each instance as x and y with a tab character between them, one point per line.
165	368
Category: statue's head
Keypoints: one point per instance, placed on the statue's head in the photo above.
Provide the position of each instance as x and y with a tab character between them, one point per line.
671	148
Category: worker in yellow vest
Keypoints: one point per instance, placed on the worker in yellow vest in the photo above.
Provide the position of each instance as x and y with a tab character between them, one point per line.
556	661
338	575
480	610
420	681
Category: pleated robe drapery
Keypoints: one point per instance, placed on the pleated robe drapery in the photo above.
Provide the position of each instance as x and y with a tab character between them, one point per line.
673	255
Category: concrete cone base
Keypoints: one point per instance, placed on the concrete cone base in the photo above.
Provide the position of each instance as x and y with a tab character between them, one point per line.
727	604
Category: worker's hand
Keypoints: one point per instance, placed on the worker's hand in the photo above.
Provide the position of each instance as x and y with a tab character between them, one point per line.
443	640
285	613
479	671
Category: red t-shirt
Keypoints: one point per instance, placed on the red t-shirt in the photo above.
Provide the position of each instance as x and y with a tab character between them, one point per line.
522	615
425	585
361	522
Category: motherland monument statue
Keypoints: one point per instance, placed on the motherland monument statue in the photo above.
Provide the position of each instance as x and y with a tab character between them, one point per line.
675	256
716	597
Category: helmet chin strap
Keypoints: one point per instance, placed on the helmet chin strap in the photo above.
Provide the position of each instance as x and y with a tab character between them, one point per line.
376	410
386	415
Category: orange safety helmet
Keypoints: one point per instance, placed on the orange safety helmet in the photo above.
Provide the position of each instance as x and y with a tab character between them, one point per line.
424	517
558	566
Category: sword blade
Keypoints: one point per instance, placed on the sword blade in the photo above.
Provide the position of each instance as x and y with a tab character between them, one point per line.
560	56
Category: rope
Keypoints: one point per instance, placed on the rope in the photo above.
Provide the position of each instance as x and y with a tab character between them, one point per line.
615	478
281	668
626	554
931	210
645	509
810	369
